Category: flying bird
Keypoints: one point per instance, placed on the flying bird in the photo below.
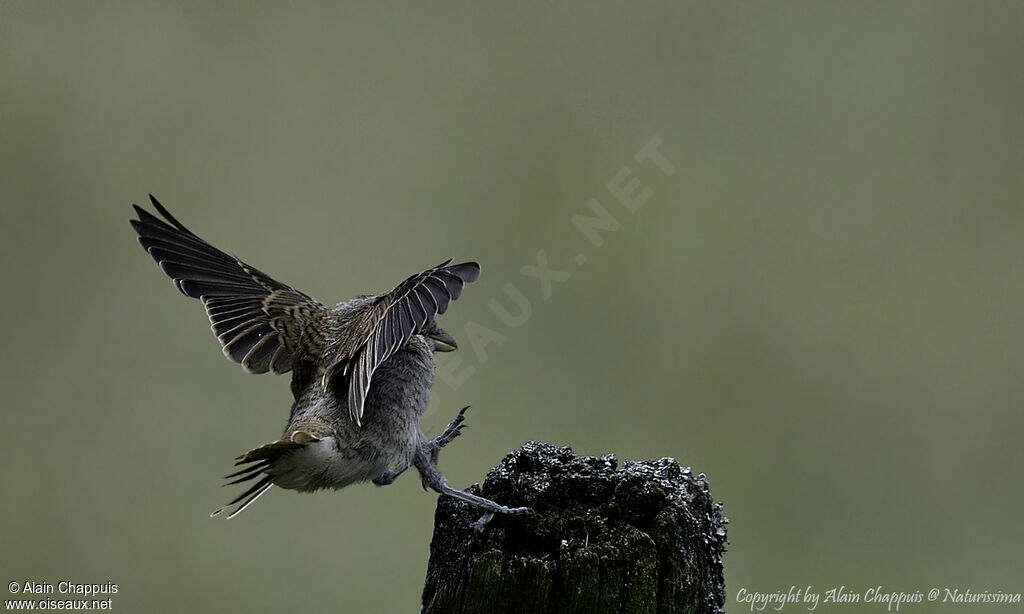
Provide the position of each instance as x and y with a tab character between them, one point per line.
361	370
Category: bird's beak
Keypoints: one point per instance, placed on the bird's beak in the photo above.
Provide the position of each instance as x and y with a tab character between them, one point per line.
443	342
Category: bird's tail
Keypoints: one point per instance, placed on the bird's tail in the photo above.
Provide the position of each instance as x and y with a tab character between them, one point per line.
257	462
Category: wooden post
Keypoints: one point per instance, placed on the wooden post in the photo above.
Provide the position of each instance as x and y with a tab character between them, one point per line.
644	537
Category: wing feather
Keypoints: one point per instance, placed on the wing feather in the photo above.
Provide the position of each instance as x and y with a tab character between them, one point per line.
258	320
383	329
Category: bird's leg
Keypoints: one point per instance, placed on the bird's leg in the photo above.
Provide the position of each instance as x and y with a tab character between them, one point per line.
453	430
435	480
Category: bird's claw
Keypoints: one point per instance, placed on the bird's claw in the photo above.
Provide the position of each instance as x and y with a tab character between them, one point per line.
481	524
453	430
385	478
478	526
450	432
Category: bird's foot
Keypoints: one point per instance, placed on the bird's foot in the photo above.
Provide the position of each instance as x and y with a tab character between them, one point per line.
389	476
481	524
478	526
453	430
491	507
435	480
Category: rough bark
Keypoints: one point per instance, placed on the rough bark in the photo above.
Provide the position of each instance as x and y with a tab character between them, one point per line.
644	537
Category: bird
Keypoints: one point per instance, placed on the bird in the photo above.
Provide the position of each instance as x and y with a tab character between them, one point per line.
361	370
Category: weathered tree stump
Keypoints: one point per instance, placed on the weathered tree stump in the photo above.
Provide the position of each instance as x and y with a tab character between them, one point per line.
645	537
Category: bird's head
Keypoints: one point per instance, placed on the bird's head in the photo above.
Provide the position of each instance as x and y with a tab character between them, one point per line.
438	338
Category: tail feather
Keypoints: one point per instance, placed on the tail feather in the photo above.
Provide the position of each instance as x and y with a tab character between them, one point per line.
249	473
269	452
257	463
251	499
247	498
262	457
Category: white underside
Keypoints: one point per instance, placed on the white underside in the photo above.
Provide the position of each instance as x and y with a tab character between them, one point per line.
322	460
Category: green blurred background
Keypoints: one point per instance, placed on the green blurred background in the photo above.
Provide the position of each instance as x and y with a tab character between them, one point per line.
820	309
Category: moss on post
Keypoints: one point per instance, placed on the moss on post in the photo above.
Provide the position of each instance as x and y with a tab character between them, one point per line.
646	537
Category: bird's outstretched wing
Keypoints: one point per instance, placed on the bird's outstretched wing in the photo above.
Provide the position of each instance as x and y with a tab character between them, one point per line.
393	319
259	321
